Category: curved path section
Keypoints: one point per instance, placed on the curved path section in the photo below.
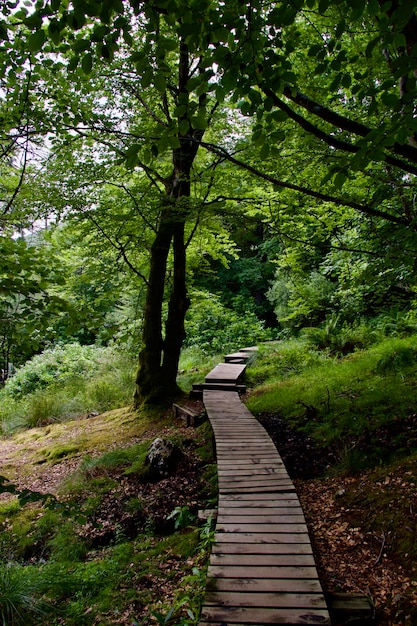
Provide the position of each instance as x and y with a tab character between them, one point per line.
262	569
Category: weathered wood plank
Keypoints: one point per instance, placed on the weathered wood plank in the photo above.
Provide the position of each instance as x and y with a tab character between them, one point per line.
265	600
260	560
240	615
263	489
261	538
259	585
254	481
233	518
262	548
260	511
284	571
254	470
257	498
261	528
226	373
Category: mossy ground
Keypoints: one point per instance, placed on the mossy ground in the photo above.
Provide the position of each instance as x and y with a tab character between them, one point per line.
117	547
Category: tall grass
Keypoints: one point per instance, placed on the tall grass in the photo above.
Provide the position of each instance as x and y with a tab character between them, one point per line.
336	400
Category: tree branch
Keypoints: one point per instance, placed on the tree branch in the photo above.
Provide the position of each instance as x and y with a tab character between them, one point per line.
119	247
330	139
342	122
363	208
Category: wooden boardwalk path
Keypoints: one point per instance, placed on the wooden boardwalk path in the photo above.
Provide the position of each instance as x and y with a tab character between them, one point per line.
262	569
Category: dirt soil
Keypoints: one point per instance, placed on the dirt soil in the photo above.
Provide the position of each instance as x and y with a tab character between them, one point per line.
363	528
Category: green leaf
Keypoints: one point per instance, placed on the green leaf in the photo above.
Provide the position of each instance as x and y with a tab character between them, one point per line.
180	110
279	116
4	35
87	63
131	156
160	82
174	142
339	180
54	31
323	6
264	152
199	122
73	63
183	127
371	45
80	45
146	156
36	40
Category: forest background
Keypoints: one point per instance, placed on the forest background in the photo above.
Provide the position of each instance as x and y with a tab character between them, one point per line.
256	161
180	179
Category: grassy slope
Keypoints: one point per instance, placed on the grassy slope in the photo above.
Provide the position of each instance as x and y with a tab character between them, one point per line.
118	556
354	423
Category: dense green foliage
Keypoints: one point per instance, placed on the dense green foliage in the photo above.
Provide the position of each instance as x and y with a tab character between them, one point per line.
65	382
186	147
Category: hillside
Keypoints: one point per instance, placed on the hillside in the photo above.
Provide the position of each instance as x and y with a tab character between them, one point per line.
125	548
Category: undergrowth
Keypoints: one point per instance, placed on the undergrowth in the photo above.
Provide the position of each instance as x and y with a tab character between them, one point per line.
114	536
360	406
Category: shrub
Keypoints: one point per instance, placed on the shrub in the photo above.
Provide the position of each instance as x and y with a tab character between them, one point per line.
340	337
216	329
57	365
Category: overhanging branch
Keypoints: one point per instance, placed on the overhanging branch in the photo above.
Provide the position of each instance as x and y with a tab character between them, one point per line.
342	122
330	139
363	208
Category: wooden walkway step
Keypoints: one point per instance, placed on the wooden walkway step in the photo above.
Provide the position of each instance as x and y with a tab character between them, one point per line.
262	569
226	373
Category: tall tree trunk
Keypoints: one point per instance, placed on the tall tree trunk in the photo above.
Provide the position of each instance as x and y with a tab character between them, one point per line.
148	380
156	380
178	306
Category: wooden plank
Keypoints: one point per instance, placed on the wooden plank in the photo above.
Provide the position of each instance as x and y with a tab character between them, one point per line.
262	538
259	585
258	497
251	506
264	489
223	518
261	548
262	528
255	560
236	571
226	373
254	481
264	599
244	356
241	615
232	457
218	386
253	470
260	511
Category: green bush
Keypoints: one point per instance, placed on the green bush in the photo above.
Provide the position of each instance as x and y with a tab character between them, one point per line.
339	337
66	382
216	329
57	365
